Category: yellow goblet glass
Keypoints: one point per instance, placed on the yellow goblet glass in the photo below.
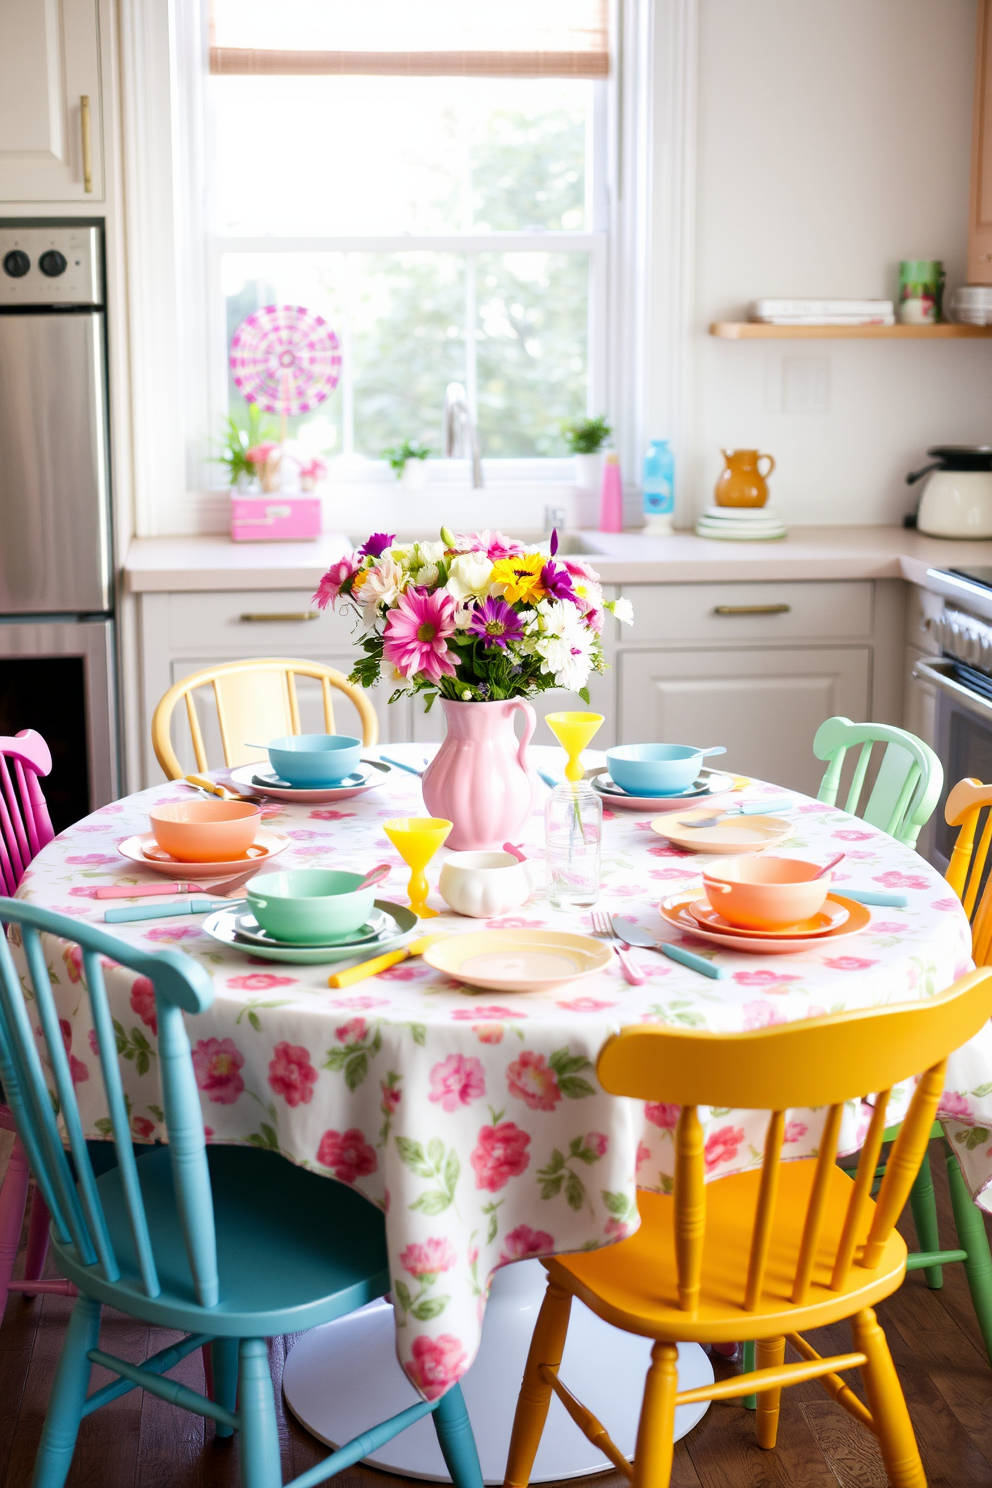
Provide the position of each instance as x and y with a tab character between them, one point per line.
573	732
417	839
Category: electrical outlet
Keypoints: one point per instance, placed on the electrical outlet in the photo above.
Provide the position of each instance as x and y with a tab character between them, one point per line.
805	384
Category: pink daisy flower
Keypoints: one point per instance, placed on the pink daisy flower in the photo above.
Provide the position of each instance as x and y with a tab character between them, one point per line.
415	638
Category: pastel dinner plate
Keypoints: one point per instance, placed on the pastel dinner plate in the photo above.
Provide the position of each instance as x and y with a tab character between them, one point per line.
145	850
264	781
518	960
708	783
225	926
741	834
675	911
830	917
248	928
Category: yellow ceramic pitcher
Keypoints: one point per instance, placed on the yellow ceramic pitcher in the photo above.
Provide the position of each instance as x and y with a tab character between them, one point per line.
741	482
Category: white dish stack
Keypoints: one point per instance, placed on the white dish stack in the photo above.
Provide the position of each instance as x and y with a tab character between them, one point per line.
811	312
741	523
971	304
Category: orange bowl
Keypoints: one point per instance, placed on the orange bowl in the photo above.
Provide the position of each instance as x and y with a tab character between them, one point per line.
205	831
758	892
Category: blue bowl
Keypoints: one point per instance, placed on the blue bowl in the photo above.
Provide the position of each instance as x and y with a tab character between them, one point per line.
312	761
656	769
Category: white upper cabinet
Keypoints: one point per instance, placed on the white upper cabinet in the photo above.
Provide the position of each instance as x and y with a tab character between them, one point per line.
51	136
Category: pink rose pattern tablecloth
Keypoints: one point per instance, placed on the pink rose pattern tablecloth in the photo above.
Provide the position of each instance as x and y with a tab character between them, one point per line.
475	1120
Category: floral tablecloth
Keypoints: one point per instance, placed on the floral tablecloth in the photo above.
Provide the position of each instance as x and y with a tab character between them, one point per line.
476	1121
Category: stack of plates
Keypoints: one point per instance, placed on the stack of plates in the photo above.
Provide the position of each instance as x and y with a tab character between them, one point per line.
695	916
707	783
386	928
971	304
741	523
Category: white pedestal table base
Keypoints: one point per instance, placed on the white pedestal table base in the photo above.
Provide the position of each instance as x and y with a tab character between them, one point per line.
344	1377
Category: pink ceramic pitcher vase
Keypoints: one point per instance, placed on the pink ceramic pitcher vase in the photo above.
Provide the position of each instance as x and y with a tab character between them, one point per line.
480	779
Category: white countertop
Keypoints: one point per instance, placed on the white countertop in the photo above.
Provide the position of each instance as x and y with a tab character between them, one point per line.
163	564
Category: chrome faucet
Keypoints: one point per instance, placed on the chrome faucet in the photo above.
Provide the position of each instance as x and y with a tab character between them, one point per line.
461	437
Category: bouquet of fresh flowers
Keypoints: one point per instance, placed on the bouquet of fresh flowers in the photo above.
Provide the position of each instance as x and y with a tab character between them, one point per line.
474	618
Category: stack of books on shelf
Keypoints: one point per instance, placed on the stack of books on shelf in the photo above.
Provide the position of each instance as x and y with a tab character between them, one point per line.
822	312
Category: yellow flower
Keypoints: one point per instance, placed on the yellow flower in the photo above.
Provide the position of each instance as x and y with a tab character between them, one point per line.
520	577
360	578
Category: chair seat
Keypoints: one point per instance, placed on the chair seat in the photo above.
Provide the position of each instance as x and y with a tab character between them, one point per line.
633	1284
294	1249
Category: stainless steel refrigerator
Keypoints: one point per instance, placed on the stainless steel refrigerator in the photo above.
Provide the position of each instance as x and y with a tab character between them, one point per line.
57	643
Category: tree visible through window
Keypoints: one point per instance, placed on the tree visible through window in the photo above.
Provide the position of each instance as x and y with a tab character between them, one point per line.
447	227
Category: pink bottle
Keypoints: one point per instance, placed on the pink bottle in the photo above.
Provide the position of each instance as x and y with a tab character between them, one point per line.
611	495
480	779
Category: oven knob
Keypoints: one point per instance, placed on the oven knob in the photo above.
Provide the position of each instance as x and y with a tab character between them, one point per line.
53	263
16	264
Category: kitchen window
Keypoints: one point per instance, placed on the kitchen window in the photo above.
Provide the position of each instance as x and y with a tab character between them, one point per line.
430	179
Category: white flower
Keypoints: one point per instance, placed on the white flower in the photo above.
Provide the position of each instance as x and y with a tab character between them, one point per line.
384	585
429	553
469	577
622	609
568	658
427	576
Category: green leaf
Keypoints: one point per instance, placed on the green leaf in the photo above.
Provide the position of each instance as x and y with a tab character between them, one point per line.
105	1126
432	1202
142	1062
573	1087
555	1165
402	1291
584	695
564	1063
412	1155
355	1070
574	1191
139	1041
981	1090
435	1151
976	1136
430	1307
618	1204
254	1020
452	1170
157	1112
551	1187
492	1230
336	1059
419	1032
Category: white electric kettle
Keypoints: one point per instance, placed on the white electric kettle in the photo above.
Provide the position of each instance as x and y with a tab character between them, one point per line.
957	498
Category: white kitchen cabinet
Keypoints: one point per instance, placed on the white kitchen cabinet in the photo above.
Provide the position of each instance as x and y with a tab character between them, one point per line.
51	141
764	704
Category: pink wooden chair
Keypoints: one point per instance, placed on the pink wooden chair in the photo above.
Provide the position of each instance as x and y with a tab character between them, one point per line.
25	827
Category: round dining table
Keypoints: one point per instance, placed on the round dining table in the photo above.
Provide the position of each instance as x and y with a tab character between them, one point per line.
475	1120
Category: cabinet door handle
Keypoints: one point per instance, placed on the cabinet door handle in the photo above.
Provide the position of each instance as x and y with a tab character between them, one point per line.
293	615
768	609
84	127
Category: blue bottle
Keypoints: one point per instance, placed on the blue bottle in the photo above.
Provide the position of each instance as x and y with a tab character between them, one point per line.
659	488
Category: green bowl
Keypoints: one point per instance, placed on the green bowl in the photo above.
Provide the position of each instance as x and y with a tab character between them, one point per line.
306	906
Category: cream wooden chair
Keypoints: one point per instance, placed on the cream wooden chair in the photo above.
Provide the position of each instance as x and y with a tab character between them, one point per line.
255	700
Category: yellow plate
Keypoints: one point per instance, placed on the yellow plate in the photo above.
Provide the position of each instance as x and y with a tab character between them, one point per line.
518	960
742	834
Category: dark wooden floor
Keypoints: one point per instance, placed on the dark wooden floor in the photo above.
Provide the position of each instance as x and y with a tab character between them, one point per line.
140	1442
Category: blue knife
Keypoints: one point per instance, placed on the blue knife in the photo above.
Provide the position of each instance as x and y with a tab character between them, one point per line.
199	905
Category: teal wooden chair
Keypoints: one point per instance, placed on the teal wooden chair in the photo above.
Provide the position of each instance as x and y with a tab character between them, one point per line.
907	786
227	1244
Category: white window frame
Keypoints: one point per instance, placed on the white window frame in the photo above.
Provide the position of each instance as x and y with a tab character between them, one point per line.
641	356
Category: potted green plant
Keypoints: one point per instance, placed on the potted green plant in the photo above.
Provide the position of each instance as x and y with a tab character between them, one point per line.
407	460
240	446
586	439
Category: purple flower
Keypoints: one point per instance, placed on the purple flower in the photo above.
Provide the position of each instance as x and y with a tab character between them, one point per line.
496	622
376	545
554	541
557	582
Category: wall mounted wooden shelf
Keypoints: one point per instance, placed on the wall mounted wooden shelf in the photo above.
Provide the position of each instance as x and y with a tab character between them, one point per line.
746	330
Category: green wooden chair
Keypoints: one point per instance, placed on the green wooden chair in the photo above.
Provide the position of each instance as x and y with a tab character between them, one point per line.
907	786
226	1244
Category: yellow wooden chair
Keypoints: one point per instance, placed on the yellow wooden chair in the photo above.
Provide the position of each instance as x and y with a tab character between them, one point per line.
255	700
766	1254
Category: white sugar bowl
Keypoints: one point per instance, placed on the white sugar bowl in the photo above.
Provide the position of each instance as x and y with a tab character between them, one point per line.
483	884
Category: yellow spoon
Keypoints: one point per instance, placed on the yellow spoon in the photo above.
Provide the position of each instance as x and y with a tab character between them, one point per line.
381	963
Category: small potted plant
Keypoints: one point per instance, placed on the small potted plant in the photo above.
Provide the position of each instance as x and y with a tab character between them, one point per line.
239	446
407	459
586	439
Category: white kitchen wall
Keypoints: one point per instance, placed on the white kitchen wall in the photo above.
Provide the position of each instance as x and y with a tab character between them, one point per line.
833	139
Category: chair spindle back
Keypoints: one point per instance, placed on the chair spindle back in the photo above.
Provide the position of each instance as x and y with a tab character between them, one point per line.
819	1062
74	1202
907	786
25	825
966	872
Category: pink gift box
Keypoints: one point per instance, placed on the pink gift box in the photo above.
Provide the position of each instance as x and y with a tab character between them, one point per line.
265	518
